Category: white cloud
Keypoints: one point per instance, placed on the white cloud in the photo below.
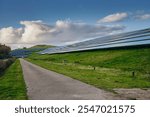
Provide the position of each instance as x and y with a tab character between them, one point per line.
10	34
37	32
113	18
143	17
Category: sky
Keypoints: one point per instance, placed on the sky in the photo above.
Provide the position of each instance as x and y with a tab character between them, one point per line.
61	22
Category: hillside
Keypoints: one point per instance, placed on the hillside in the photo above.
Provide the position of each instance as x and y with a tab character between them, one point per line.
41	46
126	68
24	52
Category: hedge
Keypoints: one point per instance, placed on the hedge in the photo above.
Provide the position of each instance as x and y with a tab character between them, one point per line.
4	64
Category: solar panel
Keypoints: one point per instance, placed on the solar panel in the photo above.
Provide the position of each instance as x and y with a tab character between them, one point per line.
139	37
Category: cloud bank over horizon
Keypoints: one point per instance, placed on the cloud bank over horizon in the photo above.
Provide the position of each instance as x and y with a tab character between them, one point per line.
63	32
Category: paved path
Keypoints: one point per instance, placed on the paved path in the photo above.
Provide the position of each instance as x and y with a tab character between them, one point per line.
43	84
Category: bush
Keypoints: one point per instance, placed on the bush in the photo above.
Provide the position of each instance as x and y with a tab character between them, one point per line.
4	64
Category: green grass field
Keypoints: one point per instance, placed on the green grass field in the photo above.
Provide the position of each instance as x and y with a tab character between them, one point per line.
12	86
113	68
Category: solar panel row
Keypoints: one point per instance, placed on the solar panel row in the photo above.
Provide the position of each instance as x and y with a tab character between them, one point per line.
139	37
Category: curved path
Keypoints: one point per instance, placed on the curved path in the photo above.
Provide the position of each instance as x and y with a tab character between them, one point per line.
43	84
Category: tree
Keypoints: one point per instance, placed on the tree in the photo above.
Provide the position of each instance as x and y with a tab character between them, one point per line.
4	51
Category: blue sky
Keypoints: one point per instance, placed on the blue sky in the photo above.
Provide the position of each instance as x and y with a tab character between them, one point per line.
13	11
134	14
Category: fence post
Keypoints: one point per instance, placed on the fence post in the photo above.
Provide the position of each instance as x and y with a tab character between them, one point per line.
133	74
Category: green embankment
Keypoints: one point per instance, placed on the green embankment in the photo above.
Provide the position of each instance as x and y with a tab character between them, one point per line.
12	86
105	69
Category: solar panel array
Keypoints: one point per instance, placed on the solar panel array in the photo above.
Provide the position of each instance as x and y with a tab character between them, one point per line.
139	37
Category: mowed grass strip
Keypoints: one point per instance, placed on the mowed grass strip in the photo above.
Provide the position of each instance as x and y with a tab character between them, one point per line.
12	85
113	68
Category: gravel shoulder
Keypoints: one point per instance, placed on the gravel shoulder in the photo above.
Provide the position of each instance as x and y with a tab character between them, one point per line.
134	94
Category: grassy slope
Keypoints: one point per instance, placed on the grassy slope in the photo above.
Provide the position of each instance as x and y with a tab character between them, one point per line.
12	86
113	67
40	46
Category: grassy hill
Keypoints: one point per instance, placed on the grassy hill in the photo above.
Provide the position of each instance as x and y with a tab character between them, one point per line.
108	69
41	46
24	52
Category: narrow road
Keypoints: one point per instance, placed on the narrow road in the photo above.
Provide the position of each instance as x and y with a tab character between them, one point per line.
43	84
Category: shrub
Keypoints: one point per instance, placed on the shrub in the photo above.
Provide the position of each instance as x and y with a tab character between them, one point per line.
4	64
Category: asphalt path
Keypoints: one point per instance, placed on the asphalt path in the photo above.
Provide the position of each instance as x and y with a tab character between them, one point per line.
44	84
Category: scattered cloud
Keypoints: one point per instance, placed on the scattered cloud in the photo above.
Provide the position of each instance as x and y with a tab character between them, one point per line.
63	32
143	17
113	18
